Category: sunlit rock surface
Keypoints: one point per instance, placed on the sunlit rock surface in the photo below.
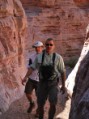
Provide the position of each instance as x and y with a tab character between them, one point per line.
80	97
12	33
70	82
78	86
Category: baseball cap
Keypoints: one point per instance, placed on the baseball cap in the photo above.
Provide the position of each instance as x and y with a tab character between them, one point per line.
37	44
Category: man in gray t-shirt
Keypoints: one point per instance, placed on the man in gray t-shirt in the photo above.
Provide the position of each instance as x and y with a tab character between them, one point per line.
50	65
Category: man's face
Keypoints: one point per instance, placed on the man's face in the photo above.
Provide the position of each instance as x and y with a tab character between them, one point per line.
49	46
39	49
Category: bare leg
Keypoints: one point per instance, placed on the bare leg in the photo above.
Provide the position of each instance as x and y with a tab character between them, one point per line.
32	105
29	97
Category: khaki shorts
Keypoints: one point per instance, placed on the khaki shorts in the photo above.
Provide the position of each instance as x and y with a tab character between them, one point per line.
30	86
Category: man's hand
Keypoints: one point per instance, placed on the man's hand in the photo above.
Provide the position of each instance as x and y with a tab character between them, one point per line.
30	70
63	90
24	81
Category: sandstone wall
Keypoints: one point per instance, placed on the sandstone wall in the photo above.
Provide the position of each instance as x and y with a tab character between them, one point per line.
62	20
65	21
12	35
70	82
80	97
78	86
82	3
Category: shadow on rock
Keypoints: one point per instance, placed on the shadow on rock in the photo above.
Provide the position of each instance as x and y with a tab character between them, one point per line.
63	106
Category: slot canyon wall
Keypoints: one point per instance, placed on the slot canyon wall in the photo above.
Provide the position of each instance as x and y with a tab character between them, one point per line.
13	25
78	86
65	21
80	97
77	82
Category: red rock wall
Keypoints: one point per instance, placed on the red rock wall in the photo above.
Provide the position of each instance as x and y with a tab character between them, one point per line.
12	35
66	21
43	3
78	86
62	20
82	3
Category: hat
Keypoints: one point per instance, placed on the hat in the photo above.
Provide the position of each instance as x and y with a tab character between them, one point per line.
37	44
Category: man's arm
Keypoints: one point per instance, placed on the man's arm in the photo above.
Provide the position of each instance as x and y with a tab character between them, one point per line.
32	67
62	71
29	72
63	76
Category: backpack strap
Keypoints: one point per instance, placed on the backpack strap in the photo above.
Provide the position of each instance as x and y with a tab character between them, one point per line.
43	57
53	58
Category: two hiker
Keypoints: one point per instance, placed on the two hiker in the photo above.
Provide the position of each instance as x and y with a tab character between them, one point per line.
50	66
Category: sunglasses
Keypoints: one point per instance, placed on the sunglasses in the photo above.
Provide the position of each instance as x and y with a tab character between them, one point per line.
49	44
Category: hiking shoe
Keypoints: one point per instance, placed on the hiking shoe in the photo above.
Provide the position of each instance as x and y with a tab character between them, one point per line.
32	105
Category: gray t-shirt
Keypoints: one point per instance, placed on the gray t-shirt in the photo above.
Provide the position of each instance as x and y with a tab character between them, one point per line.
58	64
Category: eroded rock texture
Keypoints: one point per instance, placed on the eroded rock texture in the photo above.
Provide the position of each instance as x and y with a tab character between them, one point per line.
12	29
82	3
70	82
78	86
62	20
80	98
45	3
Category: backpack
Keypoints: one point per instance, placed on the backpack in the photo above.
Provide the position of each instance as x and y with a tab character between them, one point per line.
47	70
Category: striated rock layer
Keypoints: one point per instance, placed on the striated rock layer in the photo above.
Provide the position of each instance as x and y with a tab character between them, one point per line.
82	3
12	35
62	20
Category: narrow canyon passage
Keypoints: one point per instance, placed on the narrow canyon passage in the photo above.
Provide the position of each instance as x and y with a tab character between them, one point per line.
18	110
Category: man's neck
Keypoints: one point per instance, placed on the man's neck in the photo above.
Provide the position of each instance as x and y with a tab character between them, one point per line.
49	53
